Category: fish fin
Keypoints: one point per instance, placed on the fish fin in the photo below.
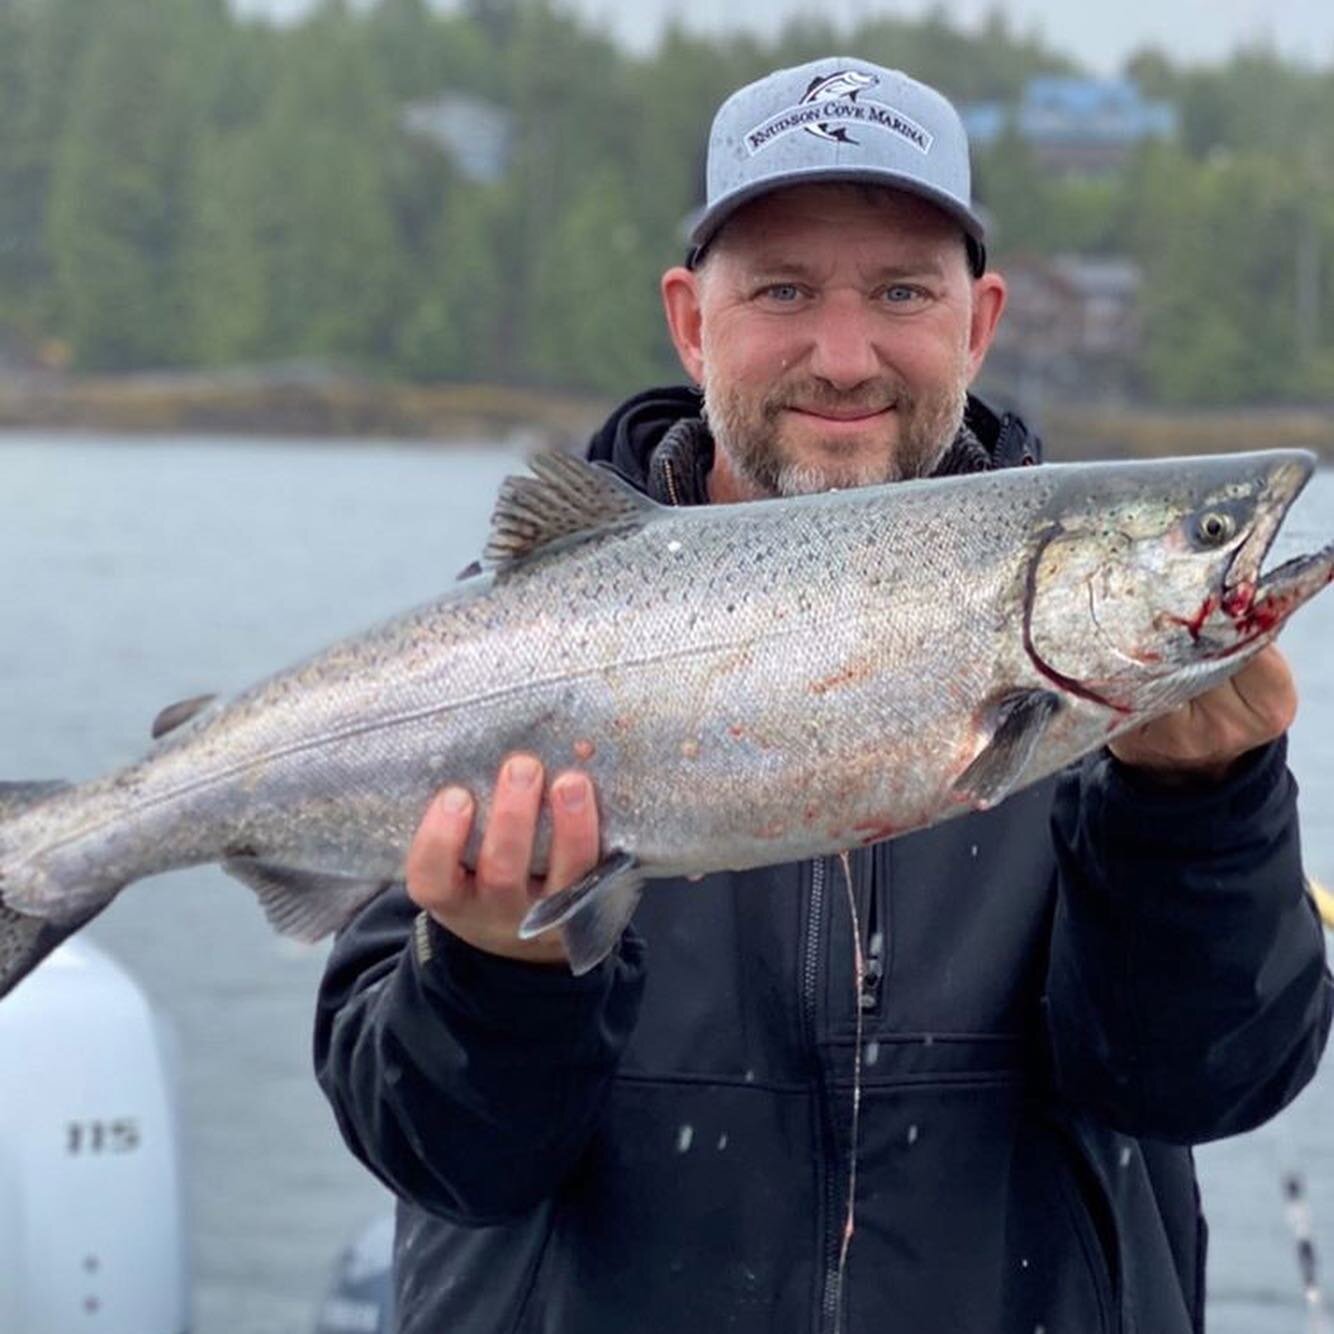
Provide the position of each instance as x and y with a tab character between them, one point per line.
181	712
470	571
1020	719
16	797
26	940
592	912
564	500
307	905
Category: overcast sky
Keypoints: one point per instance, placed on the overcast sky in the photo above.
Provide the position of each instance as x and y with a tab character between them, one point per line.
1098	34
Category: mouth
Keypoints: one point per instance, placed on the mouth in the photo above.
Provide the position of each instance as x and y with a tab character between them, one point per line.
1258	602
835	418
1259	608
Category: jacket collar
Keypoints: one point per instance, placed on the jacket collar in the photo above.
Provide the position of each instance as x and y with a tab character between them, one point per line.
660	443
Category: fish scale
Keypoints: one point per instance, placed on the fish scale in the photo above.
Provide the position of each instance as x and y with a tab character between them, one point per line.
745	684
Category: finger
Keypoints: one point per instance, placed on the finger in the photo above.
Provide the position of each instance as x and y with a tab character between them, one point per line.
507	844
1266	688
574	830
436	877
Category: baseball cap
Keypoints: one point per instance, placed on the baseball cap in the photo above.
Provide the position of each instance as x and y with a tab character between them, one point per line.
840	119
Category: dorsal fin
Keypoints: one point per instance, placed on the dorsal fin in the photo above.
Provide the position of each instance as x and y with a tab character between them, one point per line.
181	712
565	499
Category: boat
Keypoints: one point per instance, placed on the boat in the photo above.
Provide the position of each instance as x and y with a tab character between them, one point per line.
92	1213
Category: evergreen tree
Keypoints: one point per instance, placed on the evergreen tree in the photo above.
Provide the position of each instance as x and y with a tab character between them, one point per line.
595	310
453	331
119	184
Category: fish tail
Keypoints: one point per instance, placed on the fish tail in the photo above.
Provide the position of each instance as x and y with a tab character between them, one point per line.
26	938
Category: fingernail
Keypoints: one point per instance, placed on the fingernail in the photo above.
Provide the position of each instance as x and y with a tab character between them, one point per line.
572	793
522	771
455	800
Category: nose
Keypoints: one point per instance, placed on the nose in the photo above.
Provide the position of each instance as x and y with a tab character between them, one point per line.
843	351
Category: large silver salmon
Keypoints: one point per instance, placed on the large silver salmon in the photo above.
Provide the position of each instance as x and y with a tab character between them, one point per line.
745	684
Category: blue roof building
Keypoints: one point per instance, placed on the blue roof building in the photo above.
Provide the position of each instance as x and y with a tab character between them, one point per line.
1075	124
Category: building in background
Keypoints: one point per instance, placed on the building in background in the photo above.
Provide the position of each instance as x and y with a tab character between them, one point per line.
1071	330
1075	124
478	135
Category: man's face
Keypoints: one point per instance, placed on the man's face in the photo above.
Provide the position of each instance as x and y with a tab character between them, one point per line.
834	330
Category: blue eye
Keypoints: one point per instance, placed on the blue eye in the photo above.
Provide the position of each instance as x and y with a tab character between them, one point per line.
784	292
900	293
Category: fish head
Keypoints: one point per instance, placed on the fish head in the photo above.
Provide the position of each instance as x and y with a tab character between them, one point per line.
1147	583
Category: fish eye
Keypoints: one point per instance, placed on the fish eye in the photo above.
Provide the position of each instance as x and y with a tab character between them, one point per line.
1214	527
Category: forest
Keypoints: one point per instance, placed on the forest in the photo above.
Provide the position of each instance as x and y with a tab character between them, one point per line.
181	188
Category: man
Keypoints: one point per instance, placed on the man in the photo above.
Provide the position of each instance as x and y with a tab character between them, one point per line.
1057	994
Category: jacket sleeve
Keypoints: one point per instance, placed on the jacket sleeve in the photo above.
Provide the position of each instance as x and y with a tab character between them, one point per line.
469	1084
1188	996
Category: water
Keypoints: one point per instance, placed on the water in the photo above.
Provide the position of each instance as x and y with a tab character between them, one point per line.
137	573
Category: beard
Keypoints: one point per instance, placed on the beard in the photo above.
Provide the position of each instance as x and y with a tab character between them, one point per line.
747	429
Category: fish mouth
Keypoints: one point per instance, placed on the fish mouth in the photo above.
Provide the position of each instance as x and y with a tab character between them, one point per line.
1259	609
1285	483
1259	602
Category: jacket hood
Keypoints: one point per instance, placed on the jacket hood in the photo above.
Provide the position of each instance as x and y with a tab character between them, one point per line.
661	428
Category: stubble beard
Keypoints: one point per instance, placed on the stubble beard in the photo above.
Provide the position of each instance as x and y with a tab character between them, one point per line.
747	430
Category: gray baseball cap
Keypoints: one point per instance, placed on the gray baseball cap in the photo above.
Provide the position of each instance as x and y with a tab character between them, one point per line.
840	119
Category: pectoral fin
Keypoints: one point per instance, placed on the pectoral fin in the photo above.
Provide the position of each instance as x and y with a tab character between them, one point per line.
307	905
592	912
1018	721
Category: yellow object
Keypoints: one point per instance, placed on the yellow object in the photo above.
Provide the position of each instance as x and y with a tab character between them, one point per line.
1324	900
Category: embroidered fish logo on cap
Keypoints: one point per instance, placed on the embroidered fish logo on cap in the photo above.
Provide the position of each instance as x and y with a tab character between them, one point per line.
829	106
846	83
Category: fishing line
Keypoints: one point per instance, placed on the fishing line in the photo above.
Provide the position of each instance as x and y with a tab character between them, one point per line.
858	979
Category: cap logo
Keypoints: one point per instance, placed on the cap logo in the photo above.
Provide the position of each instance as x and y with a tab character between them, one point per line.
829	106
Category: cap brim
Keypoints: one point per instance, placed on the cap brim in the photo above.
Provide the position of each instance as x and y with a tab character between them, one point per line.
706	225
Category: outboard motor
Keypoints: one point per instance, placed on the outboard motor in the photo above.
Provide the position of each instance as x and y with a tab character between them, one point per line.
92	1219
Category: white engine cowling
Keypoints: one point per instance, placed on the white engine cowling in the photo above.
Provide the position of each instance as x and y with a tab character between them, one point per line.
92	1219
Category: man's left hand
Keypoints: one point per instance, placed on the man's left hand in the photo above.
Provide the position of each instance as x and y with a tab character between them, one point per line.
1204	738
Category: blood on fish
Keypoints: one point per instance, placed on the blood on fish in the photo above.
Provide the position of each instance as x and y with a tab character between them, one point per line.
849	674
1264	615
873	831
584	749
1195	624
1237	601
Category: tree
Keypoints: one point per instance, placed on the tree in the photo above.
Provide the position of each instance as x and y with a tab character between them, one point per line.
453	330
117	192
594	310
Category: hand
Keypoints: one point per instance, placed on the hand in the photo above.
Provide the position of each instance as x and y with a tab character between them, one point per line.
485	906
1204	737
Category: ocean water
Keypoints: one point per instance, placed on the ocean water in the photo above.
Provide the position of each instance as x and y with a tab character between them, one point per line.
134	573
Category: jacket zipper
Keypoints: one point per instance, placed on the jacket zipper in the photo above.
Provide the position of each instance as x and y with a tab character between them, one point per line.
833	1214
873	947
670	478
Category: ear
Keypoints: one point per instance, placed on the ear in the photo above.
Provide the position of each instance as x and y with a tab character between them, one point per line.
989	294
681	302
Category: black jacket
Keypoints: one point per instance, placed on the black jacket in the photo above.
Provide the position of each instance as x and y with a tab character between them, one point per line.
1058	994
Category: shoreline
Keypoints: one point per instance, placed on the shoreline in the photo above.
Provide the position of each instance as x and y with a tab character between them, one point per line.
320	406
330	406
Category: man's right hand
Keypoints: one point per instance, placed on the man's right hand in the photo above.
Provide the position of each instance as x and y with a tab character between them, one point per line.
485	906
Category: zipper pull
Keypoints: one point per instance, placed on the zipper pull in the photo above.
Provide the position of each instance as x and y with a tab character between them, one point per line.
872	970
